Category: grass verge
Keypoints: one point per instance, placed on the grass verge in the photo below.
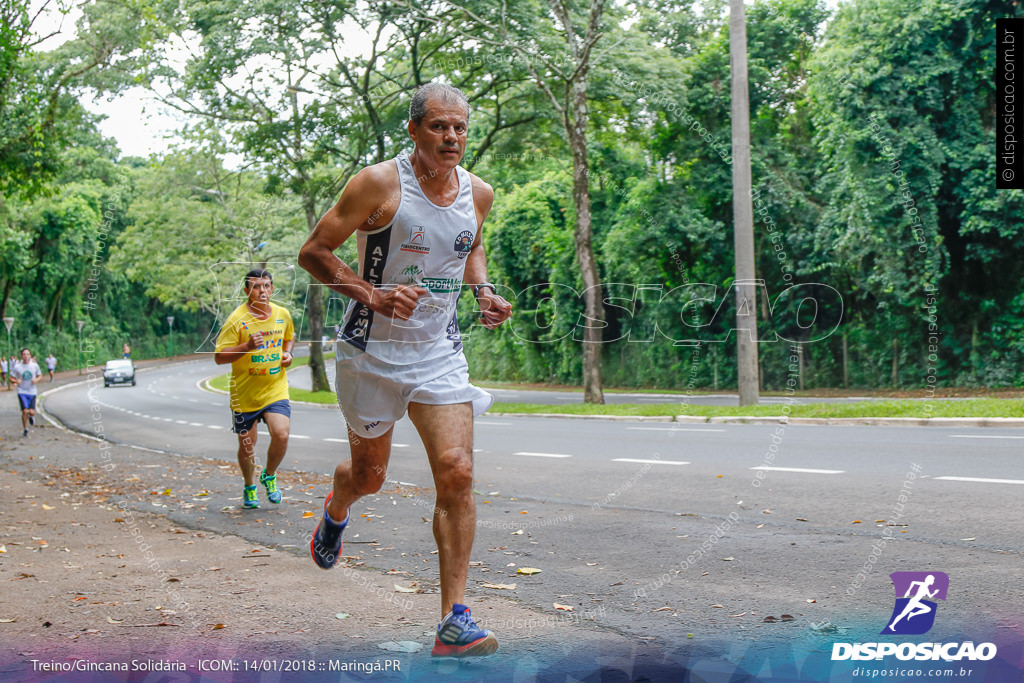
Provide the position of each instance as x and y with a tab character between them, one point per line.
977	407
916	408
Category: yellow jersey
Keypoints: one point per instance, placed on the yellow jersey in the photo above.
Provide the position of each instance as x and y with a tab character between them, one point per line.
257	378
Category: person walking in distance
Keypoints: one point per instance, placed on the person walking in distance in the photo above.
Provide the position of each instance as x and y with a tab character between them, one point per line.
417	220
257	340
51	365
26	375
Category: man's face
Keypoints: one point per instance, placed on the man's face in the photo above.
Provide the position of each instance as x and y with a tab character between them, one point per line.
441	135
259	290
26	356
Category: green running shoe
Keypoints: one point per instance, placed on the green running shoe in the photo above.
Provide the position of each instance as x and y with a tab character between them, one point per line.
249	499
273	495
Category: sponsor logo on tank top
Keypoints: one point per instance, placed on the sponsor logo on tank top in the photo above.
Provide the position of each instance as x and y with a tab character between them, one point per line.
412	274
442	284
463	244
417	242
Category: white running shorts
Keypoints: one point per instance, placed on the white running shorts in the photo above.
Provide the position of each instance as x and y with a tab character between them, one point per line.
373	395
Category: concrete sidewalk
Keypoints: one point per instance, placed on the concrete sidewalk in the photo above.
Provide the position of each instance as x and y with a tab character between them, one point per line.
98	571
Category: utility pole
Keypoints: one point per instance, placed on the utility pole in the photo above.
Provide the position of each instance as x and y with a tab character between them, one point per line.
743	210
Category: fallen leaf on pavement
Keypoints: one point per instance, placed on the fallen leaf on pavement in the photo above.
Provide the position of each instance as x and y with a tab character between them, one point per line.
811	600
527	570
663	609
111	620
307	515
166	492
787	617
719	606
728	559
968	539
341	615
500	586
217	627
8	621
800	519
403	589
770	620
401	646
517	533
856	521
3	549
47	507
565	608
737	615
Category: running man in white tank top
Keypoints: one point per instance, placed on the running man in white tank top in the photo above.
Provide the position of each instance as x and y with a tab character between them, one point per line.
418	222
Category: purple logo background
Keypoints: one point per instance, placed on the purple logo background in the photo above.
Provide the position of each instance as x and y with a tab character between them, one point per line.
914	611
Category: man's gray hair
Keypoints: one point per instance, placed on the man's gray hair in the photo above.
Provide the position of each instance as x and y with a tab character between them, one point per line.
446	94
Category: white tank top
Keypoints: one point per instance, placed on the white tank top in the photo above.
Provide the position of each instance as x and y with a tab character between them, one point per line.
425	245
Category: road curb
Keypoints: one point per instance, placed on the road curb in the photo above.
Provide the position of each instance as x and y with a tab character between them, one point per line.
1007	422
616	418
861	421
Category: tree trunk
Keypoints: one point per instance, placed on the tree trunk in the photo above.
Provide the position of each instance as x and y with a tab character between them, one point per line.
593	300
846	363
315	305
6	296
51	314
896	363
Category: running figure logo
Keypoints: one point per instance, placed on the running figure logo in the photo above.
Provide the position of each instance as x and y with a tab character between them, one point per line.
914	612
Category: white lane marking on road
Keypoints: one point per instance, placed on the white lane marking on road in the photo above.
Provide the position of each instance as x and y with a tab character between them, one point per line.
543	455
214	426
796	469
297	436
670	429
195	424
337	440
982	436
652	462
492	424
399	445
981	480
180	422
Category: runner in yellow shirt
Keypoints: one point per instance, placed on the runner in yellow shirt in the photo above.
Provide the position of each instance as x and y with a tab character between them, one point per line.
257	340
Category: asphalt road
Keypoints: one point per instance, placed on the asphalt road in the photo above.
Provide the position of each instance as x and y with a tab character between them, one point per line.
615	512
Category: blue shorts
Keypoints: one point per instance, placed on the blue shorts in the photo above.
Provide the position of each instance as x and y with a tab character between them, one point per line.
243	422
27	402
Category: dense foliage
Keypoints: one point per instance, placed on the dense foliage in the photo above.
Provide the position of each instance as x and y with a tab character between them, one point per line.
872	149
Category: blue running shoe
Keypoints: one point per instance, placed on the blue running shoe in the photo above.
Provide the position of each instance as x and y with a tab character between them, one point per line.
249	499
459	636
325	546
273	495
